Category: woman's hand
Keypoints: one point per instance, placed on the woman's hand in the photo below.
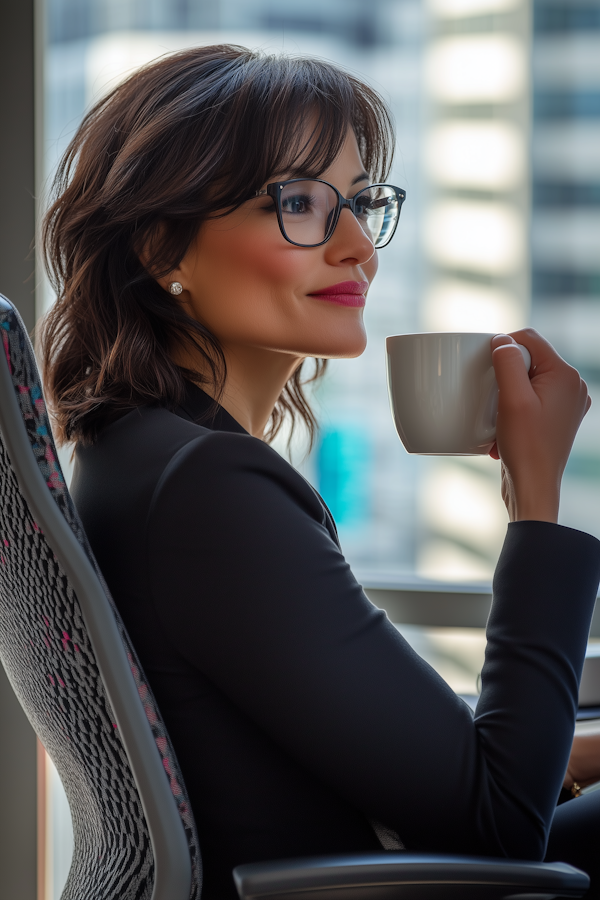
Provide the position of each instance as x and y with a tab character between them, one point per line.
584	763
538	417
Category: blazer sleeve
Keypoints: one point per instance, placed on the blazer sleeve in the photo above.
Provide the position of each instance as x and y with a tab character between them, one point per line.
253	589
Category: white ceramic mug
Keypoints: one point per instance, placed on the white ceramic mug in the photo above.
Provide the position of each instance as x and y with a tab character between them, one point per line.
443	392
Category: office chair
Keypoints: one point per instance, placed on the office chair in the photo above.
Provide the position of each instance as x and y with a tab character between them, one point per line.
74	670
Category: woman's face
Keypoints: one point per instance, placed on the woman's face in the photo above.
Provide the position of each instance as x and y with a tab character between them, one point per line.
252	288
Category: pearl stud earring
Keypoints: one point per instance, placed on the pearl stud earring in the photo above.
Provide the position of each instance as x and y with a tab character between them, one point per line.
175	288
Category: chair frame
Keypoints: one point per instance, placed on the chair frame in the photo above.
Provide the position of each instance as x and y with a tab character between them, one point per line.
407	876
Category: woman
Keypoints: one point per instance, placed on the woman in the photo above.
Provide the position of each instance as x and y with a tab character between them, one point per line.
203	250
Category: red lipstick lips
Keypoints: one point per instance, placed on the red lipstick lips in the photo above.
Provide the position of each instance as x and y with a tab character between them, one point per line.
346	293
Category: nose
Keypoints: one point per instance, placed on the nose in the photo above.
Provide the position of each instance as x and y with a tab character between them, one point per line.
349	243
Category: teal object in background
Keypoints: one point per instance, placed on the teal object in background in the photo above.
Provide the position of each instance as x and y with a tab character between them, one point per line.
343	473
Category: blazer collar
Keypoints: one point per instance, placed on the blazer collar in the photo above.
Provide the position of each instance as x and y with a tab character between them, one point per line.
198	407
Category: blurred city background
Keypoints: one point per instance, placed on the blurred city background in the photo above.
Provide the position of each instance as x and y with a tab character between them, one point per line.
497	107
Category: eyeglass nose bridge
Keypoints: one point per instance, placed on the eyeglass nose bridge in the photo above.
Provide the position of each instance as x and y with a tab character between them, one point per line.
346	203
343	203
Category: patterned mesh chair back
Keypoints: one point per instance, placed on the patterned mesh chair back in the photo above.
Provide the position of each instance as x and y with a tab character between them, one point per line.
50	657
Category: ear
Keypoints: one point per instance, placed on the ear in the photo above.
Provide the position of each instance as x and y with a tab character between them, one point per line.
148	250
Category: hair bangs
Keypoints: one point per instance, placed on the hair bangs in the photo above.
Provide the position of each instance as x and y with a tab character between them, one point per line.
294	115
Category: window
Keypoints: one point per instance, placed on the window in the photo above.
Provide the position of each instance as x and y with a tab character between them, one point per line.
480	101
497	106
459	82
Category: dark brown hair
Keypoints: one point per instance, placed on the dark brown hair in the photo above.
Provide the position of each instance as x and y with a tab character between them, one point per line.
189	135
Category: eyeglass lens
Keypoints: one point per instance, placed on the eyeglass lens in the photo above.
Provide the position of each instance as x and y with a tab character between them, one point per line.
308	212
377	209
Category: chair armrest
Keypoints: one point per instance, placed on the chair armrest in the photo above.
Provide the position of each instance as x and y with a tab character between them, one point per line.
407	876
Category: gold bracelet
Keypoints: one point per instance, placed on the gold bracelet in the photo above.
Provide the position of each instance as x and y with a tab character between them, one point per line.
575	789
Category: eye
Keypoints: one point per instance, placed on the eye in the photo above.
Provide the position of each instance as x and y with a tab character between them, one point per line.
297	204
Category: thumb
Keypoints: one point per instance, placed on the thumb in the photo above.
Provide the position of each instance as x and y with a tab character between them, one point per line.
511	374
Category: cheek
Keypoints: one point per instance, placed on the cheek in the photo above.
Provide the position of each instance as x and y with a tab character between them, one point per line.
257	262
247	287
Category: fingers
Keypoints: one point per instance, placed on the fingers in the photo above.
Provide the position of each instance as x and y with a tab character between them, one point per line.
538	419
543	354
500	339
511	374
545	361
588	400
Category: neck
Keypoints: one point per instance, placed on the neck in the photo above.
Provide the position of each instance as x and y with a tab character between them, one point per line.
255	380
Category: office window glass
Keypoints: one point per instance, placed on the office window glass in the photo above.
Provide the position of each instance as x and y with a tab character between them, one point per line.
497	111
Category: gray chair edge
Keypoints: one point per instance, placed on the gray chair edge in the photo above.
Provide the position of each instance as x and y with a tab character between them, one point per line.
173	874
281	878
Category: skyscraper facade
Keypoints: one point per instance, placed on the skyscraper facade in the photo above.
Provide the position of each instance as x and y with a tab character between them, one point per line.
565	218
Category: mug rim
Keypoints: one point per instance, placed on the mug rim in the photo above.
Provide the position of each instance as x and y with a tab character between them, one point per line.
439	333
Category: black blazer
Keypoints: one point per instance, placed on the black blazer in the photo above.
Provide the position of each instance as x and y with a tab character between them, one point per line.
297	710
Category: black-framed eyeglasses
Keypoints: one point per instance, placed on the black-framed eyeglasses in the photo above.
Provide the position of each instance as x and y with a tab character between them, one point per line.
308	210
